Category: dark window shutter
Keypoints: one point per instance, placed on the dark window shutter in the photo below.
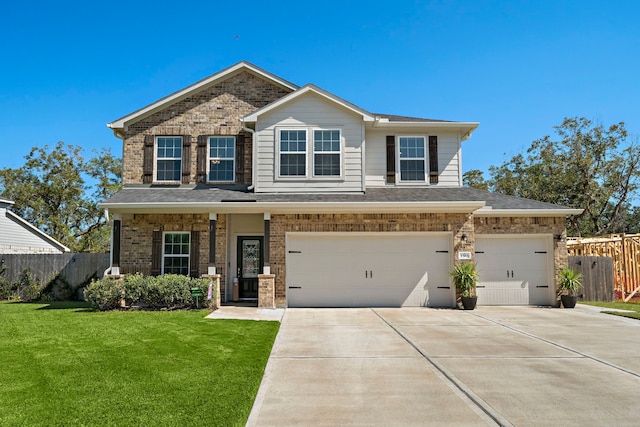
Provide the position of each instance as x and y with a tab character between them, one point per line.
202	159
156	253
391	159
239	160
147	166
194	267
186	158
433	159
116	243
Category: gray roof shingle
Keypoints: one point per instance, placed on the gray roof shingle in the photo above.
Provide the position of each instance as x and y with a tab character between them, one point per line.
141	194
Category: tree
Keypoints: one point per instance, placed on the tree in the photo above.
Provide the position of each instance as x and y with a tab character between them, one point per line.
475	179
50	190
589	166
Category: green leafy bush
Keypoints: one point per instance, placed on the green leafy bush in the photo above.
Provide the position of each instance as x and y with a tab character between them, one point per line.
169	291
104	294
28	287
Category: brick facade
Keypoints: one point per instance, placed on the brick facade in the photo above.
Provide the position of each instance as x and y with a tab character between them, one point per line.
137	233
216	110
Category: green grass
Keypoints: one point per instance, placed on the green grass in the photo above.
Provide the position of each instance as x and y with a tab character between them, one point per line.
634	307
62	364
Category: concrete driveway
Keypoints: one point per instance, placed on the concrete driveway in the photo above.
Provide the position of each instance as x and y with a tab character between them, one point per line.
521	366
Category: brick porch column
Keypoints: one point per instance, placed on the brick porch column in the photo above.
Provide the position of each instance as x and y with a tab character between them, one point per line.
216	288
266	290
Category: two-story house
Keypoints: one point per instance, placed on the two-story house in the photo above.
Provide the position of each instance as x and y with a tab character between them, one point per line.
292	196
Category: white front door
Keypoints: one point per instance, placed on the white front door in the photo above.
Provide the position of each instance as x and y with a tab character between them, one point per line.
369	269
515	270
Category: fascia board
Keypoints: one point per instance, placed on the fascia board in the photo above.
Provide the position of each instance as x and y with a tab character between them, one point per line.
297	207
253	117
183	93
488	212
30	227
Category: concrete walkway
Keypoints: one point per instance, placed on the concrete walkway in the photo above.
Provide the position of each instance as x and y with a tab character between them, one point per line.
521	366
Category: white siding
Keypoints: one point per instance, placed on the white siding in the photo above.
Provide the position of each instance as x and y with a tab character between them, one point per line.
376	157
309	111
16	239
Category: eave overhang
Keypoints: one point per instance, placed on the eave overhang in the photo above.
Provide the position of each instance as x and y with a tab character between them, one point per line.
295	207
487	211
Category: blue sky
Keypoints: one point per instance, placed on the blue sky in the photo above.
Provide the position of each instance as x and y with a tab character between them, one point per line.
517	67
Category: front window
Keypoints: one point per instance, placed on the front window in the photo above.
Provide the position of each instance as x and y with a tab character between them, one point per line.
175	257
412	158
168	158
221	159
293	153
326	153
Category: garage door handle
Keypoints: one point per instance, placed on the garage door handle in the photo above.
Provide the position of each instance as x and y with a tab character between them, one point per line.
481	286
542	286
295	287
444	287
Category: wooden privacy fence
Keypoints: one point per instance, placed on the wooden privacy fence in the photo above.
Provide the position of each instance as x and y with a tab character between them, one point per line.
597	277
624	251
74	269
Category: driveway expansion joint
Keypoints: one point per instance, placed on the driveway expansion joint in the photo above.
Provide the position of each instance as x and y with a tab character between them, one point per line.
473	400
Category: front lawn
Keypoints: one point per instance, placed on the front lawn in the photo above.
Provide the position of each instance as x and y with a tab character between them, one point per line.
634	307
62	364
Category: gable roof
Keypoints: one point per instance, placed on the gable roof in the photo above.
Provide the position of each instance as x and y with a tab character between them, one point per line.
306	89
119	124
18	235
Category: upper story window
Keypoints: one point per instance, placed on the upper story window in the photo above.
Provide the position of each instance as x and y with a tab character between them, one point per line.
221	159
168	158
293	153
412	158
326	153
325	146
175	253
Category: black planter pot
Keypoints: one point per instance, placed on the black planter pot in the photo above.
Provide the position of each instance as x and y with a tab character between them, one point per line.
569	301
469	303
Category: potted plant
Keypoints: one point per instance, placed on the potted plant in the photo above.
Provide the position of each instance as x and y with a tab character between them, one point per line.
570	284
465	277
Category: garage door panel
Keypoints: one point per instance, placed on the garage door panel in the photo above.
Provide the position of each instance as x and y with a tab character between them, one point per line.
377	269
513	270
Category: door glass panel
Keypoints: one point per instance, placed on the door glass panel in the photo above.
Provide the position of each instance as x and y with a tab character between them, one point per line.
250	258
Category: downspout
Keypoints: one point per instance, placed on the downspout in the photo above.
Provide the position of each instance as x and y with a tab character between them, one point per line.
254	157
108	270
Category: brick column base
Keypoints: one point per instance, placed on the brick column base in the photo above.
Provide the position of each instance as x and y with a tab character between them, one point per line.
266	290
216	289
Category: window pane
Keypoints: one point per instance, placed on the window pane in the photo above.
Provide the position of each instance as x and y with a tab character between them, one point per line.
221	170
168	170
412	170
293	140
176	253
327	164
411	147
292	165
326	140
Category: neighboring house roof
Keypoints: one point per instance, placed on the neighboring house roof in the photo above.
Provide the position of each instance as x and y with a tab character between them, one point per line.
306	89
19	236
119	124
231	198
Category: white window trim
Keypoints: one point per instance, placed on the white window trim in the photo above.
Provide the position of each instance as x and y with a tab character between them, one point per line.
210	159
179	256
309	155
156	159
340	152
425	159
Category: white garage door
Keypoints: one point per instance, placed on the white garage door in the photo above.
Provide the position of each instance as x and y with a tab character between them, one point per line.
369	269
515	270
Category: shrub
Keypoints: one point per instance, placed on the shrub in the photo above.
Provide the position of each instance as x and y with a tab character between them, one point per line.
104	294
169	291
28	287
